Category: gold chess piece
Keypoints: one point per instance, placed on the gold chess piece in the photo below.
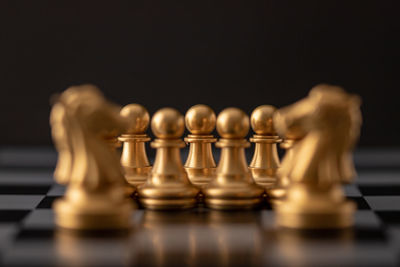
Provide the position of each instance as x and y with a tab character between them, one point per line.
134	158
94	200
328	122
278	191
233	187
112	140
168	186
265	160
200	165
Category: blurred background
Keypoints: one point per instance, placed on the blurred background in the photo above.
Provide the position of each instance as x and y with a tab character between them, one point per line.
179	53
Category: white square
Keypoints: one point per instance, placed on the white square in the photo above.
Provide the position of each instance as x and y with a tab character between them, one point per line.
384	203
56	191
19	202
39	219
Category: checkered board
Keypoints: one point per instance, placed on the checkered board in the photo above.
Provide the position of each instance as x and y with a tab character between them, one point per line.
199	237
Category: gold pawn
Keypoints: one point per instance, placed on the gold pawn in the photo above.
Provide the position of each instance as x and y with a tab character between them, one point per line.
134	158
114	144
278	191
265	160
200	165
233	188
168	186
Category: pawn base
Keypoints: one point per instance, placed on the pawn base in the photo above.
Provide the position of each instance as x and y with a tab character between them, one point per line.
167	197
137	176
232	204
267	182
200	177
237	197
167	204
264	177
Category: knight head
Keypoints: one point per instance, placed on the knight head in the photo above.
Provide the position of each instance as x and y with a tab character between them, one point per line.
80	115
87	105
326	125
327	108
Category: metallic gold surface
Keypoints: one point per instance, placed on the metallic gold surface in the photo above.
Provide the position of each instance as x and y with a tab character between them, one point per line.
328	123
200	165
94	200
168	186
233	187
113	142
278	190
134	158
168	124
265	160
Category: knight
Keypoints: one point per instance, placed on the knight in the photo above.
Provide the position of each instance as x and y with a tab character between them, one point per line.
80	119
326	125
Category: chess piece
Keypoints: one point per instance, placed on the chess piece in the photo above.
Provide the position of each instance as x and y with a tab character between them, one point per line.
94	199
168	186
200	165
134	158
112	140
328	123
233	187
265	160
278	191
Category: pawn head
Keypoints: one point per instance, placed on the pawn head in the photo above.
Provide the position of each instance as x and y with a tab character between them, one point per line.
233	123
168	123
138	118
261	120
200	119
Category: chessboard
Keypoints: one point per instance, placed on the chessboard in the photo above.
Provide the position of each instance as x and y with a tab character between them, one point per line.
199	237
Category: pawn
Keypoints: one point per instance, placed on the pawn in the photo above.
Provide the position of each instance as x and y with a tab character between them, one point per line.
113	142
134	158
111	139
233	188
278	191
168	186
265	160
200	165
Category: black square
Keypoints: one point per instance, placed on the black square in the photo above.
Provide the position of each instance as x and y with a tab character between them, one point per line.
361	203
364	234
379	190
389	217
24	190
27	234
47	202
7	216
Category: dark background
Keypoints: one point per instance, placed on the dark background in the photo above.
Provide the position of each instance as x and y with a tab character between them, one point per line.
179	53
